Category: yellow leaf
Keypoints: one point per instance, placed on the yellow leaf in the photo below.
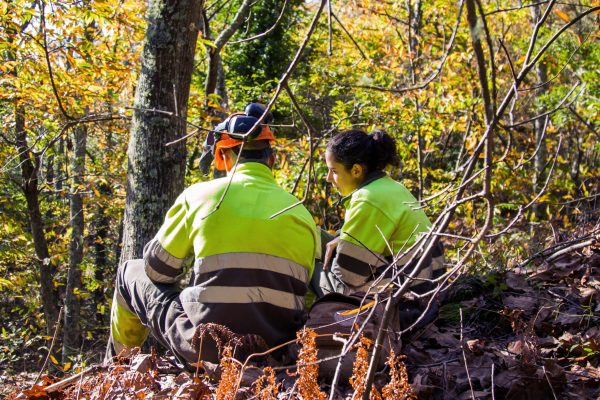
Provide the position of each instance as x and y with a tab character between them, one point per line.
356	310
67	366
54	360
562	15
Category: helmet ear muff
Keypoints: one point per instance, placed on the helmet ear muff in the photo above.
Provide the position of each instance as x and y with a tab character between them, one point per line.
225	126
238	125
256	110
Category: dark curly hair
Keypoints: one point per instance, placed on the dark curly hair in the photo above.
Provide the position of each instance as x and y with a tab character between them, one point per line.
375	150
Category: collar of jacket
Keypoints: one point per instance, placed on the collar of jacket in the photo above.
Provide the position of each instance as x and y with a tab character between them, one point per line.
252	168
370	178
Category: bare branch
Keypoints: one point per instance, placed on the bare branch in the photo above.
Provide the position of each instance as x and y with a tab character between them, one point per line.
490	45
435	73
311	150
522	6
282	82
536	30
268	31
594	235
237	21
480	58
580	118
350	36
560	32
512	67
555	109
56	330
329	13
562	68
49	64
537	196
462	347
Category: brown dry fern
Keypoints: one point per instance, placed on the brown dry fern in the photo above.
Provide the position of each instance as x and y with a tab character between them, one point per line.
266	387
230	371
360	369
308	369
398	388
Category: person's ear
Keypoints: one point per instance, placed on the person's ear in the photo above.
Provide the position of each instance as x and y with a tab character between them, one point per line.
357	170
271	160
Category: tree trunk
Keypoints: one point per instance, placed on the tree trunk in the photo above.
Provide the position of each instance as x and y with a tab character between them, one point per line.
72	325
29	173
156	171
101	223
414	29
215	76
540	128
476	33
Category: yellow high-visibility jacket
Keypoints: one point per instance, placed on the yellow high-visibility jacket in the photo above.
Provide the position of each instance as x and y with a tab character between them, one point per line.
250	271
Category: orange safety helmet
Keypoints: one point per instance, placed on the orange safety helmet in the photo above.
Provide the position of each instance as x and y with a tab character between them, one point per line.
232	132
228	142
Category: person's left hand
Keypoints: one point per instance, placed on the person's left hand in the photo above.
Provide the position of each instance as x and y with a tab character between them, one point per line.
330	251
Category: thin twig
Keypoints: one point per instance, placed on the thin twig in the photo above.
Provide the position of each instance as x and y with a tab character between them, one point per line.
280	86
554	37
510	63
362	53
462	347
569	249
48	63
435	73
56	329
555	109
311	149
522	6
549	383
580	118
330	35
537	196
265	33
67	381
536	30
562	68
492	384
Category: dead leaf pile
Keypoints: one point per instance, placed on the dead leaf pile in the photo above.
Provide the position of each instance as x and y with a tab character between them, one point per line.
527	333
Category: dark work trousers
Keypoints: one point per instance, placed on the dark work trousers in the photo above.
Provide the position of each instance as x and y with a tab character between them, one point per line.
158	308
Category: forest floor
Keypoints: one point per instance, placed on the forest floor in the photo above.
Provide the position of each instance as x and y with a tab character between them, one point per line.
529	332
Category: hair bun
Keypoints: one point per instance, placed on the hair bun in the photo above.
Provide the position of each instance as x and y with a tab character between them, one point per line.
375	150
384	148
377	135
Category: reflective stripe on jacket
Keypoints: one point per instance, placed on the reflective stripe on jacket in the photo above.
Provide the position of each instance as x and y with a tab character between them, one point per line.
382	220
250	271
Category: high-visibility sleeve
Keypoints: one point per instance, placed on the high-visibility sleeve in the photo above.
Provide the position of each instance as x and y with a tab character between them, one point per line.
166	254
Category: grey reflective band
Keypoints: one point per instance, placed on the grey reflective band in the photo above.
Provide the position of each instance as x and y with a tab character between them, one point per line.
251	261
244	295
121	301
360	253
160	265
348	277
156	249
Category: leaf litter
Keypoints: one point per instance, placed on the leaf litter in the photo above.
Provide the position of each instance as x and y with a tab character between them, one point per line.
536	337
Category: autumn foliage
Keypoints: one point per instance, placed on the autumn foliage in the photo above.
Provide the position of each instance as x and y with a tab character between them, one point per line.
494	107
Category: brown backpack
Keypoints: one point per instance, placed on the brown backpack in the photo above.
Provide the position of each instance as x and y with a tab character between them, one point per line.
334	317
